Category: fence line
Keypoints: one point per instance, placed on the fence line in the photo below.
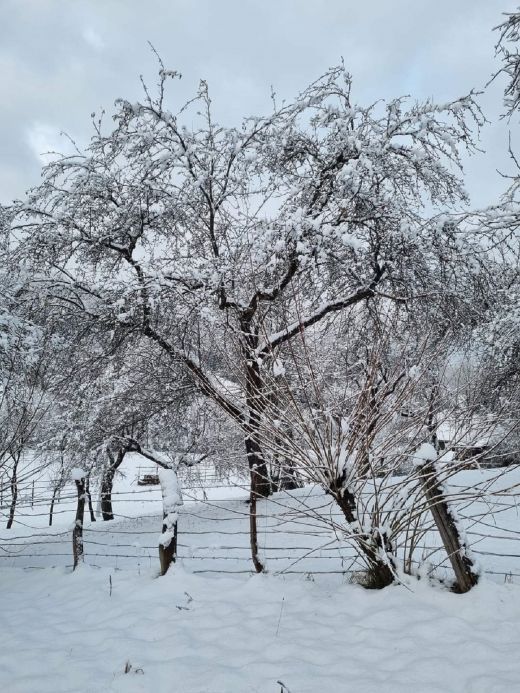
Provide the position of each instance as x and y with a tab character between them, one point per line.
286	525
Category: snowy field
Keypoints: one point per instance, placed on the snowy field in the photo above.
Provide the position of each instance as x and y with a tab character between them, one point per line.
186	633
210	626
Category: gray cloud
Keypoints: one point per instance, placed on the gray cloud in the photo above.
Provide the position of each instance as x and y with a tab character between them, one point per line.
59	61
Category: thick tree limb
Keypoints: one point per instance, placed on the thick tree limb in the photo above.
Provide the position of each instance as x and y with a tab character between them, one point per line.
283	336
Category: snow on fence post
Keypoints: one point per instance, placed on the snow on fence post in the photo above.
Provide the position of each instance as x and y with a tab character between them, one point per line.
77	533
172	500
466	574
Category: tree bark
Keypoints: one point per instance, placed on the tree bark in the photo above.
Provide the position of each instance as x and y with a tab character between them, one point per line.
107	482
260	487
53	500
14	492
289	477
381	573
260	482
258	468
255	403
57	489
89	499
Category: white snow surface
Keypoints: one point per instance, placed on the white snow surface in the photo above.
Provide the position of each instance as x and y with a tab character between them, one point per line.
77	474
65	633
425	453
172	497
172	501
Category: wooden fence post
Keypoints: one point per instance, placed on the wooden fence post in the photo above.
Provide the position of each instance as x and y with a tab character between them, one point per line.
172	500
253	527
463	567
77	533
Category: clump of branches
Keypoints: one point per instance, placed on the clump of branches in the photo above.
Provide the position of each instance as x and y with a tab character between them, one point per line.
383	435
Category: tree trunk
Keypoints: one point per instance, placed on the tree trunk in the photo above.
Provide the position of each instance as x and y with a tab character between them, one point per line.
89	498
77	532
260	487
57	489
463	567
107	482
106	493
14	492
289	477
258	468
380	572
255	402
53	500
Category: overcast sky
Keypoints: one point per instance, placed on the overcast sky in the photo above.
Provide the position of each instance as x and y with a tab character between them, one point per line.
62	59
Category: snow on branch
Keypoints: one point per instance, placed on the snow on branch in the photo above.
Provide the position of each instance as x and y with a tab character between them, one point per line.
283	336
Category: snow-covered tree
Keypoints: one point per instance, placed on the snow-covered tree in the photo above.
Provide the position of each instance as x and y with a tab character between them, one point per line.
203	238
507	50
25	363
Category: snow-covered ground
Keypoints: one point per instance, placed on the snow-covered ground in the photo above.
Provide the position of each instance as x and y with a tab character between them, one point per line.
210	626
185	633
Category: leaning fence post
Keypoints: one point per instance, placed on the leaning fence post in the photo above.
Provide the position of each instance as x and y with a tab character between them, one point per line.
172	500
466	574
77	533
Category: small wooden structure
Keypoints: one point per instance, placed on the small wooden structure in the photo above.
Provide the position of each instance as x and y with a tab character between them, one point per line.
148	480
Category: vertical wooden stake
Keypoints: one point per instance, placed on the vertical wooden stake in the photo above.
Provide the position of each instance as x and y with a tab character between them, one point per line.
168	553
77	532
463	567
172	500
253	526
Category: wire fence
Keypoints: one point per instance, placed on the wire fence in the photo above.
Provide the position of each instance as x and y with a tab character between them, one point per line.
299	533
